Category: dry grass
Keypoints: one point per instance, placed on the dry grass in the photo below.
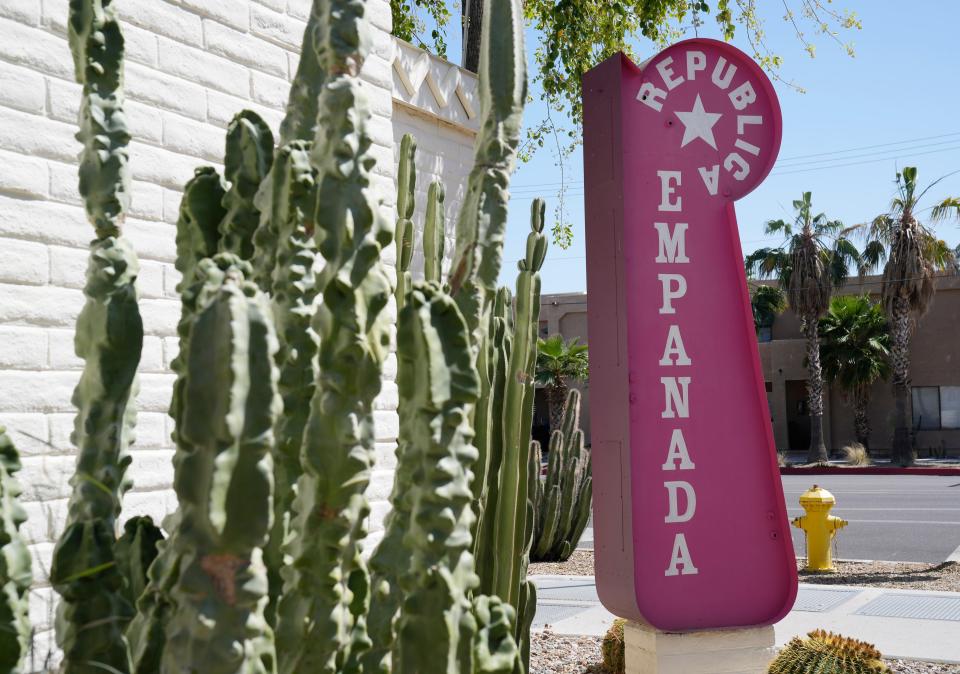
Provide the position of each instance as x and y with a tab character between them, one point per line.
856	454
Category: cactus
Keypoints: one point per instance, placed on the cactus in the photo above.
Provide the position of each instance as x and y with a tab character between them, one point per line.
434	234
473	278
483	215
518	394
135	551
613	649
198	237
214	582
492	364
300	120
403	234
248	157
321	616
284	259
224	479
514	513
437	382
826	653
15	564
562	505
109	338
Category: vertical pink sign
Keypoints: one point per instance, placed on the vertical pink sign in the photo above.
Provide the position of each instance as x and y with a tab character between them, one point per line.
690	526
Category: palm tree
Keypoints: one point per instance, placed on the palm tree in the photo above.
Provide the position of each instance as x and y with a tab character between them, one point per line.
766	302
557	362
814	258
855	350
914	256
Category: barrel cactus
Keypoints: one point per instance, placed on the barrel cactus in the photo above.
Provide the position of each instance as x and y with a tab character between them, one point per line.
823	652
15	564
562	503
613	649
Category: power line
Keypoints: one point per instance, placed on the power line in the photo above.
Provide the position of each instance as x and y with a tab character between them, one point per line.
868	147
526	187
866	161
895	151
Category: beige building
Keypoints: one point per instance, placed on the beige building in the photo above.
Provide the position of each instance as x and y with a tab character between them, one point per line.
935	371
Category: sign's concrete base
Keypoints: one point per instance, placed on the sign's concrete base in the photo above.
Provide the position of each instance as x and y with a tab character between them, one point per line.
738	651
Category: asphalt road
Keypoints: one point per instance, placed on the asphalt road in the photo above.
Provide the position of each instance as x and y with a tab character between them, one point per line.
892	517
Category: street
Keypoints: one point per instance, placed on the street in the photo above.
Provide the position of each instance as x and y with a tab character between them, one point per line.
909	518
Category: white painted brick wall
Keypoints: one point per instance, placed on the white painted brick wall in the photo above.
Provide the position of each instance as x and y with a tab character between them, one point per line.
191	65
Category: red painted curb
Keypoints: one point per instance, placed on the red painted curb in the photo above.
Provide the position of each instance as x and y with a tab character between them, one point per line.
866	470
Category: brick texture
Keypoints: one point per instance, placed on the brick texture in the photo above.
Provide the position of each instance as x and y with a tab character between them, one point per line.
191	65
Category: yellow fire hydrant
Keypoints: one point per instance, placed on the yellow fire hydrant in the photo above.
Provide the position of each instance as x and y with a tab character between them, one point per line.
819	526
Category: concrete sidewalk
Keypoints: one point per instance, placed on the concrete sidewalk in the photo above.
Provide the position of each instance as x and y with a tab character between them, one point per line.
914	625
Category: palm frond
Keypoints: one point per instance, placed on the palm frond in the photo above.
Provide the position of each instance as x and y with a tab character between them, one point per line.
949	208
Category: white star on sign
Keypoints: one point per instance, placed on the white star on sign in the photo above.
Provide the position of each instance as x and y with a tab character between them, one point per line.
698	123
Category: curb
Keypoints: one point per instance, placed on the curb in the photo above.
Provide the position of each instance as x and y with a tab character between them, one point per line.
867	470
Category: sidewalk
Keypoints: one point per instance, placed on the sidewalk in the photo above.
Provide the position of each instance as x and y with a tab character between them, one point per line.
914	625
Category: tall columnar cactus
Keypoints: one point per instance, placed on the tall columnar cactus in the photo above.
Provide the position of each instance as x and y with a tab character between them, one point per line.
435	626
488	420
476	269
300	121
248	157
224	479
514	513
15	570
109	337
284	260
204	605
198	238
826	653
483	216
423	570
403	234
434	233
321	617
562	505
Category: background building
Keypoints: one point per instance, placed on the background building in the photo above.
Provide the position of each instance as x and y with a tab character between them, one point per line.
935	370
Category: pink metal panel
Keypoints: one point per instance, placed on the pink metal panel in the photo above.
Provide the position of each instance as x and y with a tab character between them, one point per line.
690	526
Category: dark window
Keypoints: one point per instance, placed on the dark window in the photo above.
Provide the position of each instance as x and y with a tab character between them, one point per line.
950	406
544	329
926	407
769	386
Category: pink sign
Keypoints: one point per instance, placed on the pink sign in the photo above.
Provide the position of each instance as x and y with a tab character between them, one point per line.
690	526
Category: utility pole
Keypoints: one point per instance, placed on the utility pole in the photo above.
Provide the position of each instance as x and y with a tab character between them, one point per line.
472	20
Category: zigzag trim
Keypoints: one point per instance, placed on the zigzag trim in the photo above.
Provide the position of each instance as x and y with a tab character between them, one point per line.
453	89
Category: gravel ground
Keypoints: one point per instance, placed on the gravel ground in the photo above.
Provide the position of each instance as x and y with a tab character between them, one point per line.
579	564
943	577
560	654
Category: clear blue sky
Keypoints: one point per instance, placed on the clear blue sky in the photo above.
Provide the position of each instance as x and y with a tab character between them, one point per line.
902	85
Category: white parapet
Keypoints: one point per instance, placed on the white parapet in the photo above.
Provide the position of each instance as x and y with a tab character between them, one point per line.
736	651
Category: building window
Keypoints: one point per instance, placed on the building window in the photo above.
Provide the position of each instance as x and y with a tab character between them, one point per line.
950	406
926	407
765	333
544	329
769	386
936	407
